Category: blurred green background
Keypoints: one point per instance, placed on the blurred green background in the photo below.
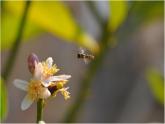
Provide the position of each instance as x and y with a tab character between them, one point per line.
125	83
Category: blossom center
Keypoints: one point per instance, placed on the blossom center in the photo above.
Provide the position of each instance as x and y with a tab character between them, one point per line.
35	89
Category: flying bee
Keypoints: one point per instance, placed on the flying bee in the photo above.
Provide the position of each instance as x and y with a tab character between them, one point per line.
85	56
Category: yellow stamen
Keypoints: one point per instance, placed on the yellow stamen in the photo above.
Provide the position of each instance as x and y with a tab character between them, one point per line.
35	89
49	71
65	93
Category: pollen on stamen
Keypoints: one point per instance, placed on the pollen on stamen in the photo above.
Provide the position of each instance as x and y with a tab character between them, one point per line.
65	93
49	71
34	89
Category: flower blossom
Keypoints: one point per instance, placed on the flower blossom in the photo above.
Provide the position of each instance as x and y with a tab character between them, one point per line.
43	83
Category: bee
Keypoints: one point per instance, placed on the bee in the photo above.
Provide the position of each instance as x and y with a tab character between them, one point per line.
85	56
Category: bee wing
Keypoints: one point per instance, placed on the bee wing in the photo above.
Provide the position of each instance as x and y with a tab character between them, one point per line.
81	50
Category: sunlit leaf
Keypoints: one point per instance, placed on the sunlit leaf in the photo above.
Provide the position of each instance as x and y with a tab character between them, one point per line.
118	13
3	99
156	83
55	17
9	29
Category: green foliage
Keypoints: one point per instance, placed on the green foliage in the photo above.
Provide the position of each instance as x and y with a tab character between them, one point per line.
156	83
54	17
3	99
147	11
118	13
9	29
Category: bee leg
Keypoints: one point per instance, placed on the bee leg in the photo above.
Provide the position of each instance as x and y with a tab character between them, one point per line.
86	60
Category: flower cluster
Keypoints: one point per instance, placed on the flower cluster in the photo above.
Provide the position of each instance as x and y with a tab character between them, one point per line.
43	83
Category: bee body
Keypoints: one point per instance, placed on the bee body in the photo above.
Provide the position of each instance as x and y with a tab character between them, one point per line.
84	56
79	55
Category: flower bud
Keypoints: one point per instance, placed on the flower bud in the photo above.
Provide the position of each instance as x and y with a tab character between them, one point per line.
32	58
41	122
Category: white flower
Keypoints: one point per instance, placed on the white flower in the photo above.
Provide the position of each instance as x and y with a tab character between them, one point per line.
34	91
39	86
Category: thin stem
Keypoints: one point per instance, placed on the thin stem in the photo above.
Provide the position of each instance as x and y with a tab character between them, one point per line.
40	103
94	11
87	82
14	50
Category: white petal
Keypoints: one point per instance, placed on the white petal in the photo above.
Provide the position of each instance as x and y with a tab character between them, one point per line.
47	82
38	70
45	94
49	62
59	78
26	103
21	84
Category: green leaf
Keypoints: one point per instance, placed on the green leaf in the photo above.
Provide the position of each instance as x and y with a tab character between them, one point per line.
3	99
156	83
118	13
9	29
55	17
